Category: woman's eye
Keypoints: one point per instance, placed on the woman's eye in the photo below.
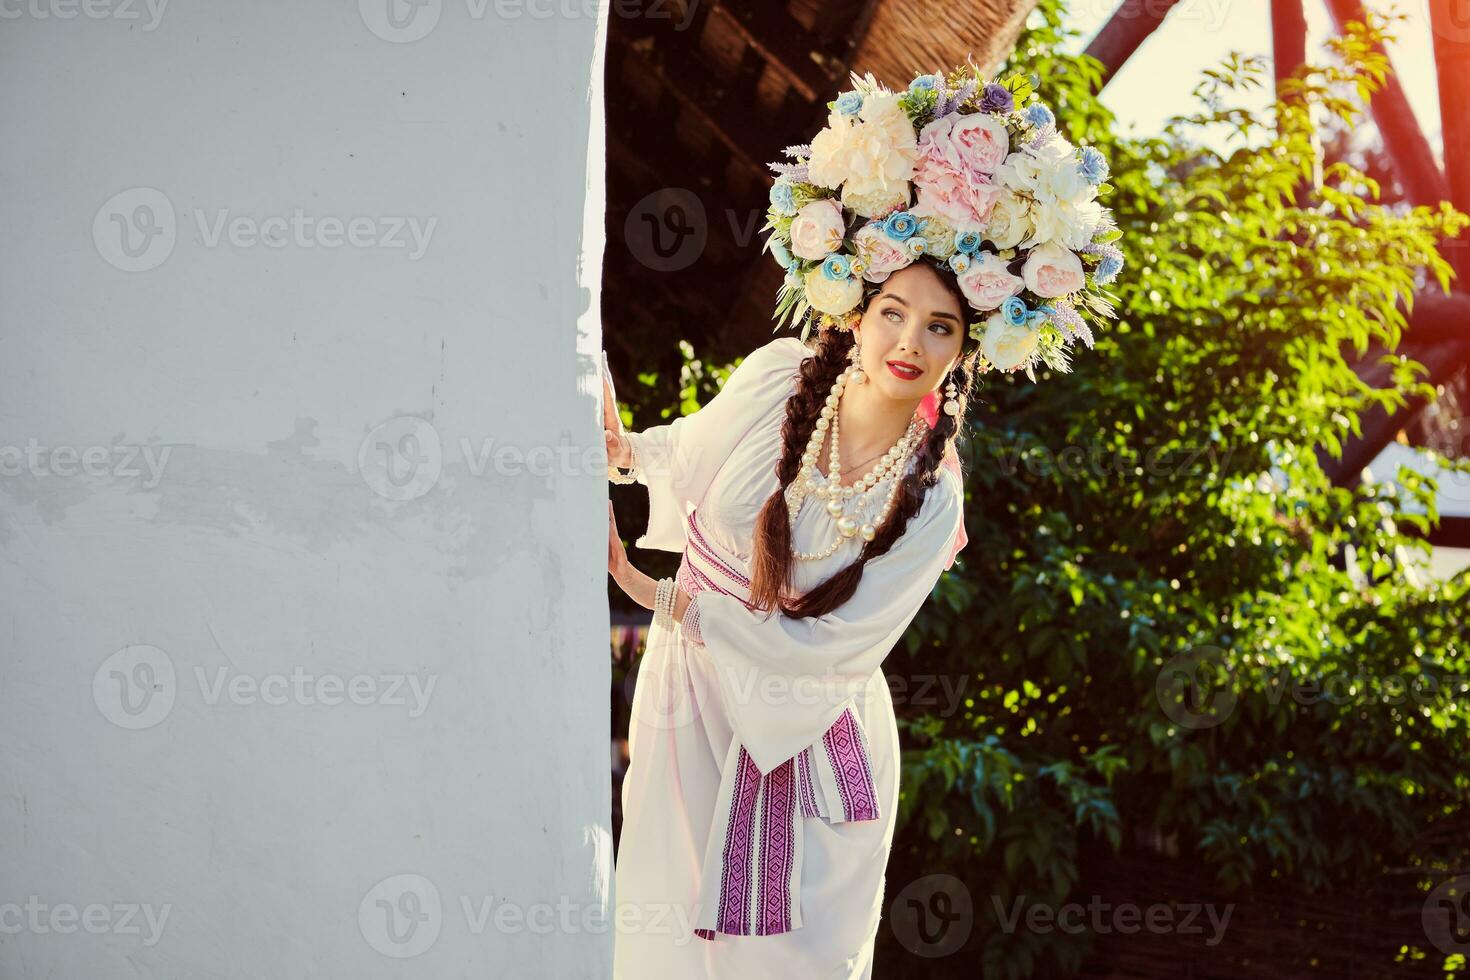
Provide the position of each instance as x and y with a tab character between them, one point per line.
892	314
943	326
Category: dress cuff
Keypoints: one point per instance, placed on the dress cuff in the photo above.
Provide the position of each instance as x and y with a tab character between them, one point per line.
690	624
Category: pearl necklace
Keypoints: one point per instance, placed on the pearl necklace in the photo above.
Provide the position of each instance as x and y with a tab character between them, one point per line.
810	481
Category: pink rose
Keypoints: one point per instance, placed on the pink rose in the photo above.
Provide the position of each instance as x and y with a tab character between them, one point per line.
817	229
987	283
982	141
948	177
1053	270
881	255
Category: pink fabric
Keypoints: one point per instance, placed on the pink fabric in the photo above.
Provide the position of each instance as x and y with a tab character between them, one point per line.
929	410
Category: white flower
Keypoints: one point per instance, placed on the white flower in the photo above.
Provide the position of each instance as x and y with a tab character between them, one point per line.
1004	345
874	203
1010	221
870	154
834	296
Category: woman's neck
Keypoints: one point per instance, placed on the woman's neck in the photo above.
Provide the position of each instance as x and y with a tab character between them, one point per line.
870	424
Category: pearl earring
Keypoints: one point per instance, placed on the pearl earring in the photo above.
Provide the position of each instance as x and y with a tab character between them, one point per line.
951	401
856	372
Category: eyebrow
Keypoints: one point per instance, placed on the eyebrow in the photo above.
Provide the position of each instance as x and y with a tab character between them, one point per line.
900	300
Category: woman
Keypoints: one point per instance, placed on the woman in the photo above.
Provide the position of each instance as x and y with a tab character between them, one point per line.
763	782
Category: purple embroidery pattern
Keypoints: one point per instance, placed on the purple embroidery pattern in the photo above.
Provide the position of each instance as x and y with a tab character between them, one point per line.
809	805
848	753
759	858
734	912
778	832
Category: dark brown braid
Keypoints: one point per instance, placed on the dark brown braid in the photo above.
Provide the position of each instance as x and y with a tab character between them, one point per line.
772	562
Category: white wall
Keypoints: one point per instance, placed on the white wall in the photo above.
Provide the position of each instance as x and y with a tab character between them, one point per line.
224	460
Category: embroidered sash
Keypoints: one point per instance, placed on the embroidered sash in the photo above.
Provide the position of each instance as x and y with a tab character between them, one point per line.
752	864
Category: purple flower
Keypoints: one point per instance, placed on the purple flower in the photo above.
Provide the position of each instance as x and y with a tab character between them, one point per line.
997	98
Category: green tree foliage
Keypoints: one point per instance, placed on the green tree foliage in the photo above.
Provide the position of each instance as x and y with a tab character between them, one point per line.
1161	513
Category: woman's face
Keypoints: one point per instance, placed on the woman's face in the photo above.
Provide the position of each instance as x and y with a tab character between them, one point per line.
915	321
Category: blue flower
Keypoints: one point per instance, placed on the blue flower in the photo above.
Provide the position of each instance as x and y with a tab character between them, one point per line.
782	199
967	241
923	83
1015	312
1108	269
997	98
1039	316
836	266
960	263
900	224
1094	166
850	103
780	254
1039	116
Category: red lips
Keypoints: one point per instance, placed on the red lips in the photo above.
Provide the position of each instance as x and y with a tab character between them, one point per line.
904	370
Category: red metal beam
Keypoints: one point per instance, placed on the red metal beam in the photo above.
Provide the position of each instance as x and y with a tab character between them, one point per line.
1404	141
1450	22
1129	27
1288	38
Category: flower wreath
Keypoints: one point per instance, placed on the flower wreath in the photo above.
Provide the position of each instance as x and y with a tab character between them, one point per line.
1003	200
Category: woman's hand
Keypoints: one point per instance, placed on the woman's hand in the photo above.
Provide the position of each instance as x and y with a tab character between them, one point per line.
619	450
639	587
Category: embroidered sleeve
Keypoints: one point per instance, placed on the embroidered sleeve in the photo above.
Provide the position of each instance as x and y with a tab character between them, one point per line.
678	460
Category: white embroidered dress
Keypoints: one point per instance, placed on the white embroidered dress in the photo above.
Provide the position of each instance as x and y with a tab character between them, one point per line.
759	802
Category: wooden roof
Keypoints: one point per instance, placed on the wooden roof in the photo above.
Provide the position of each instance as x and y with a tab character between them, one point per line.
700	97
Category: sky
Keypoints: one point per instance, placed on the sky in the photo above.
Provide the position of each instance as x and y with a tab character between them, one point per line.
1198	33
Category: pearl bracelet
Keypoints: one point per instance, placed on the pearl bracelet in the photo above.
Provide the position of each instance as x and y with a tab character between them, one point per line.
663	603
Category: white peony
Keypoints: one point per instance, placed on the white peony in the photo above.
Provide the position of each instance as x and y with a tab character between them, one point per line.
1010	221
817	229
871	154
1005	345
833	296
